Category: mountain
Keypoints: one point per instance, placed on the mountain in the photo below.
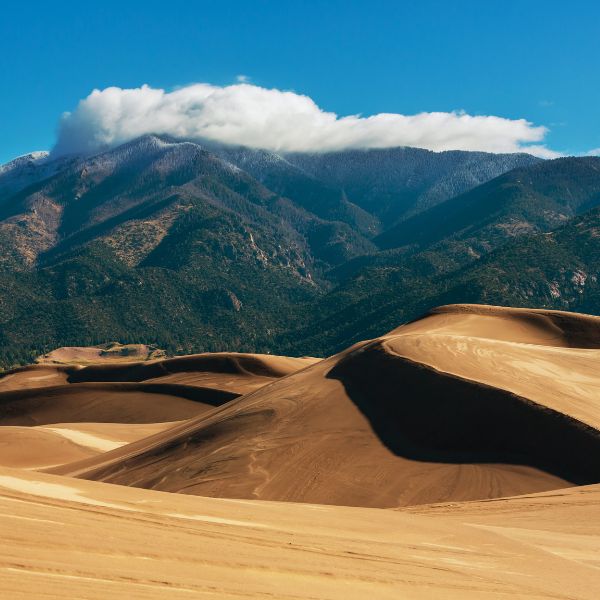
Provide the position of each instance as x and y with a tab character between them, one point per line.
394	183
151	241
523	201
449	257
149	179
28	169
194	246
322	198
558	270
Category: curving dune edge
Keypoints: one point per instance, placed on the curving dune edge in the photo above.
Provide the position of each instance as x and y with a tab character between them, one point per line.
479	425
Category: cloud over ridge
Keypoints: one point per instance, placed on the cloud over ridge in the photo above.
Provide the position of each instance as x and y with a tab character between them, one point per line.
283	121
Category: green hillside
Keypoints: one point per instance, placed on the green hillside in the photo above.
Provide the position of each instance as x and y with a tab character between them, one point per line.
194	248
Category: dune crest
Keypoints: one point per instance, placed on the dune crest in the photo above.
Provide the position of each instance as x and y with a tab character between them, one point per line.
520	325
52	415
427	413
478	426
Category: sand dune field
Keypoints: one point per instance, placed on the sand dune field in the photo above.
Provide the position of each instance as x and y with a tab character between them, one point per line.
457	456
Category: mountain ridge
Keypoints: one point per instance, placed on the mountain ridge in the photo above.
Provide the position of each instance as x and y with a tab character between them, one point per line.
198	246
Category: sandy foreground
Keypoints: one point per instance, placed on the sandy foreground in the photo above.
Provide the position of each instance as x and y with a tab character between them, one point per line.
456	457
66	538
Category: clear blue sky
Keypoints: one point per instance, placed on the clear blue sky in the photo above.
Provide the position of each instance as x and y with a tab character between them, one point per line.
528	58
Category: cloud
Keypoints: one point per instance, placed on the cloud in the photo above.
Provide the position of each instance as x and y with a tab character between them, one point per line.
542	151
594	152
245	114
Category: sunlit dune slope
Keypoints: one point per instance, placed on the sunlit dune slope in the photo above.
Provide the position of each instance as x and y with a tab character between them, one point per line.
91	354
67	538
447	408
48	446
34	376
56	414
549	357
519	325
36	448
228	371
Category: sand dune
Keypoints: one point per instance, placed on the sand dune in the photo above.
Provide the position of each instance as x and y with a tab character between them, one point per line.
428	413
33	376
467	403
136	392
93	354
54	415
108	403
80	539
49	446
33	448
105	436
523	325
227	371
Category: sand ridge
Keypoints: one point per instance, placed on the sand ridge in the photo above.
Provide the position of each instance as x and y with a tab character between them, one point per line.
233	372
106	352
389	423
479	426
521	325
52	415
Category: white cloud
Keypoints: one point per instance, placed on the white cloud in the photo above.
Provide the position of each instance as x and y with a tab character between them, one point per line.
277	120
542	151
594	152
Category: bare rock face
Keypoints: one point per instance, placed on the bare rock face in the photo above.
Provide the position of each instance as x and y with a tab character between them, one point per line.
235	301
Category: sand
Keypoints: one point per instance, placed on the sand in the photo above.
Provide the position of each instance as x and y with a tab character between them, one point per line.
233	372
54	415
105	353
78	539
33	376
442	409
457	456
48	446
226	371
106	403
33	448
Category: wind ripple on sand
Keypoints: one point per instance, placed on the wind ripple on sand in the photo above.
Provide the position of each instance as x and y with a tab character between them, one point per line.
466	403
74	538
445	408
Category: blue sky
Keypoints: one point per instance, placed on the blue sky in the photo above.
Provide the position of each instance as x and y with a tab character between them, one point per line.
537	60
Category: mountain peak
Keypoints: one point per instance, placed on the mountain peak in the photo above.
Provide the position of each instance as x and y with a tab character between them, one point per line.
24	160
